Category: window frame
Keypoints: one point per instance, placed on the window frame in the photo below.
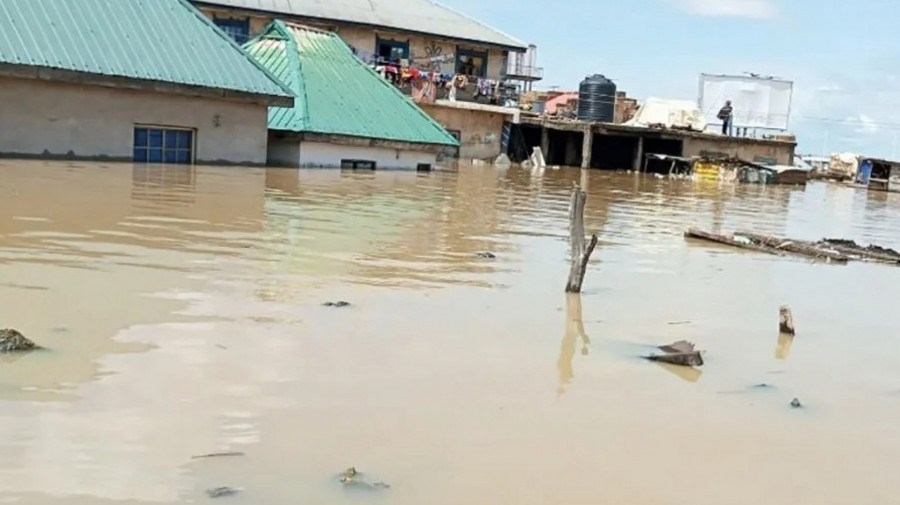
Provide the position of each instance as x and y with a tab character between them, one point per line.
230	25
166	135
393	44
472	53
357	164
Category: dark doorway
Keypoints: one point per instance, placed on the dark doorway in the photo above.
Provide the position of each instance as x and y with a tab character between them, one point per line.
613	152
522	140
666	147
564	148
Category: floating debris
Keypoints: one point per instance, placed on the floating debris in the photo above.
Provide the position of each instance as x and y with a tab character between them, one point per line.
338	304
486	255
795	403
829	250
13	341
870	252
218	455
681	353
221	492
351	478
785	320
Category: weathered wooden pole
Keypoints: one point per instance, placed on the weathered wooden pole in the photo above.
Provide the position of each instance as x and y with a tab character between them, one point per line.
581	252
785	320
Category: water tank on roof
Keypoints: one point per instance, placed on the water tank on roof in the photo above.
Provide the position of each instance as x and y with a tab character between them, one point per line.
597	99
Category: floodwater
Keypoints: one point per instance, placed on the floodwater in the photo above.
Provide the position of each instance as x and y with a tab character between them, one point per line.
181	309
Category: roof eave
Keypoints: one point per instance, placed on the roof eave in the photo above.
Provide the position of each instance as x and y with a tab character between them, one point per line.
121	82
518	47
361	141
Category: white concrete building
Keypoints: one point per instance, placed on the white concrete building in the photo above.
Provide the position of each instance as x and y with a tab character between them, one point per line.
174	90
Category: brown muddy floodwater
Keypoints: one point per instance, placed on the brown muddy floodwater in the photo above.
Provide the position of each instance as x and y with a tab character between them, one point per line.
182	313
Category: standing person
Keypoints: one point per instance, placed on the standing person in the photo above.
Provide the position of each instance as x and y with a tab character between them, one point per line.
725	114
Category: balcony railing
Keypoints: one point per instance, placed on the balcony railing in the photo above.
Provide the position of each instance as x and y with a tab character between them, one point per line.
516	71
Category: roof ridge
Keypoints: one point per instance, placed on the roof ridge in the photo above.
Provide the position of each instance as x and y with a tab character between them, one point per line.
476	21
293	55
408	100
218	31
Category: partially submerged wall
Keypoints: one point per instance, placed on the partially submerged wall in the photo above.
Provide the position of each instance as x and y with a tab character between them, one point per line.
759	151
294	153
44	119
479	131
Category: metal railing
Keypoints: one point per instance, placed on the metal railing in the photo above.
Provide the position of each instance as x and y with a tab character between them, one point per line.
515	70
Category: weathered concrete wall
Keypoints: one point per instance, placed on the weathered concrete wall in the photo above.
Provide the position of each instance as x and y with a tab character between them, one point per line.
293	153
744	149
47	119
365	39
480	131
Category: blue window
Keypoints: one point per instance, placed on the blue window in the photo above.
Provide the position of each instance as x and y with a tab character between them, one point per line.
391	51
238	29
163	145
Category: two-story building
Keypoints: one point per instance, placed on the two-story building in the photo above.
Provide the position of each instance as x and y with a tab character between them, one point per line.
419	33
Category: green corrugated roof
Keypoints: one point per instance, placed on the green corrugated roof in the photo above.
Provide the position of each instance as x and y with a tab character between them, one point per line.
336	93
151	40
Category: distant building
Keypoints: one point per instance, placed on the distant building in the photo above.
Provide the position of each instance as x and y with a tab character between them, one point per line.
345	114
626	107
149	81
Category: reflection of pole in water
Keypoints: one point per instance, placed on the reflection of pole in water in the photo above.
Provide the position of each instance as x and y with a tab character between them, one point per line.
783	349
574	331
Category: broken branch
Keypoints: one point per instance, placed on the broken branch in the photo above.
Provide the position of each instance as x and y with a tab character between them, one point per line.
581	252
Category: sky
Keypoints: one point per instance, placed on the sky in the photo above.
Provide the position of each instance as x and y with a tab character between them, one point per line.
843	56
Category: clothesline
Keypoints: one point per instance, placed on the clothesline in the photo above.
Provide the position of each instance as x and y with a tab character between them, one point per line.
372	58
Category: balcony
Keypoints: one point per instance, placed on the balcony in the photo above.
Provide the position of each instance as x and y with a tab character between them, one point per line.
524	72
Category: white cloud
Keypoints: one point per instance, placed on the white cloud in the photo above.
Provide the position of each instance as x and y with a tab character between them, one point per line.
752	9
865	124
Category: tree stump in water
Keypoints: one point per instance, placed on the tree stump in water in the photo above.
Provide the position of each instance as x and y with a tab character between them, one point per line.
785	320
581	252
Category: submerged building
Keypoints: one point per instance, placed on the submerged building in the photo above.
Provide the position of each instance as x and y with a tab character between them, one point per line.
345	114
412	36
148	81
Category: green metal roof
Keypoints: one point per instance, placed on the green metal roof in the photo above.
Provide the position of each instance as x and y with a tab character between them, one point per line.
336	93
165	41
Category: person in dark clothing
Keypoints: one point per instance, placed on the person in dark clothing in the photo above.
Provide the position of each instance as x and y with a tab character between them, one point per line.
725	114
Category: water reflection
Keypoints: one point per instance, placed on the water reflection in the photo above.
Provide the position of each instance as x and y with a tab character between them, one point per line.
783	349
198	291
573	334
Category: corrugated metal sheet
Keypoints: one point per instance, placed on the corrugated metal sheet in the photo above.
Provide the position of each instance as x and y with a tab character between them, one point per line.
154	40
422	16
336	93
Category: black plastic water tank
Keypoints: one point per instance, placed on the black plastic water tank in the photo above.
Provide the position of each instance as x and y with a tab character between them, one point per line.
597	99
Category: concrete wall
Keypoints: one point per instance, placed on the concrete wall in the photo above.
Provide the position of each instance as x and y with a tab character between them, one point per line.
365	39
293	153
744	149
480	131
47	119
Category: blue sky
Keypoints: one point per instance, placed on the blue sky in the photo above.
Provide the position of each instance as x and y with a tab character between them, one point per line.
844	57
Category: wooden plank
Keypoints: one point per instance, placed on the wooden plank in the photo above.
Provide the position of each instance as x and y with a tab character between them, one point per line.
795	246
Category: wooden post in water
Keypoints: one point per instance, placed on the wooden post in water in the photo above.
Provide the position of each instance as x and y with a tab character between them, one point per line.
587	147
785	320
581	252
